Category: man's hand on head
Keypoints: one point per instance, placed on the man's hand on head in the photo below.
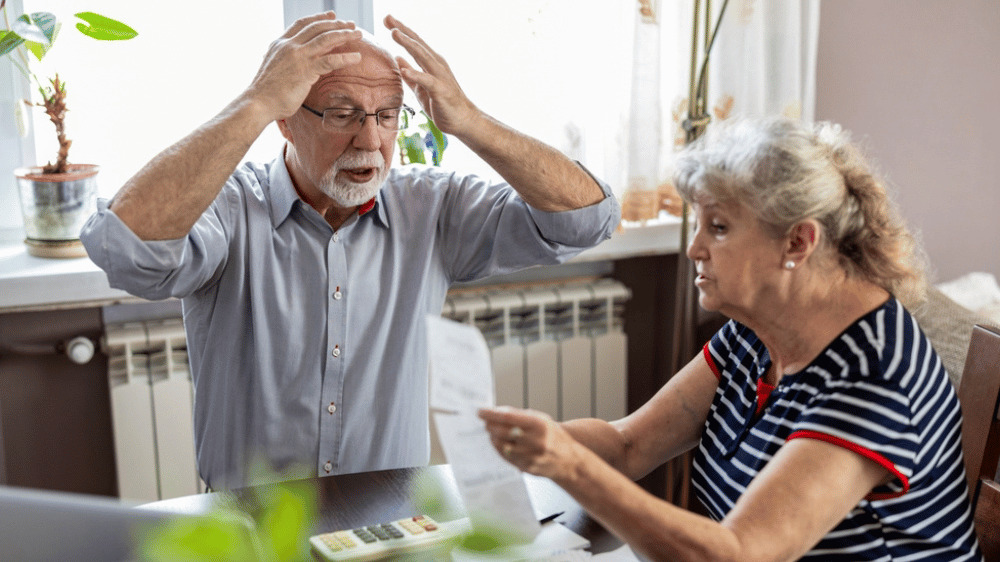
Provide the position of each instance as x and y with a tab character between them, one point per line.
434	84
309	48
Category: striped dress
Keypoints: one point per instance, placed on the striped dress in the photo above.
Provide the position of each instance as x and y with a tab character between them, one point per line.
881	391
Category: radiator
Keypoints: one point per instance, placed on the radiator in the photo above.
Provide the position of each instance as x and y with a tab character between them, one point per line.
559	348
151	410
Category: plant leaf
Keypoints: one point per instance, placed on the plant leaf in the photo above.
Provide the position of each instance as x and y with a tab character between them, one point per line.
435	140
104	28
50	27
413	145
29	30
9	41
47	23
284	525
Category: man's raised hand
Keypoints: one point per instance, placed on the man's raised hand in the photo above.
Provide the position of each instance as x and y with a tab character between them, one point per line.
310	47
435	86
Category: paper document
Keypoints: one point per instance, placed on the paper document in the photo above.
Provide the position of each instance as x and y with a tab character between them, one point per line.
461	373
461	382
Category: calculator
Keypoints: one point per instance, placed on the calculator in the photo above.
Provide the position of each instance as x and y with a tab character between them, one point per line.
417	535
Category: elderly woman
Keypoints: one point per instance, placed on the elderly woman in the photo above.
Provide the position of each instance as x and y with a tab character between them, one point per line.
825	424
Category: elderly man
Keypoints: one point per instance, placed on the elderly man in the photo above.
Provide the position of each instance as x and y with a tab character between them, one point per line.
305	281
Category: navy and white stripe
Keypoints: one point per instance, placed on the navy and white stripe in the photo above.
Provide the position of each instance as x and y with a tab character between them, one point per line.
879	390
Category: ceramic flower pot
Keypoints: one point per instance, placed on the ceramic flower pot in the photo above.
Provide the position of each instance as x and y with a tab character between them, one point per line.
55	208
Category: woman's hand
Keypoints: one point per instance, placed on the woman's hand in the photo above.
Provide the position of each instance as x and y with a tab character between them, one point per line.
533	442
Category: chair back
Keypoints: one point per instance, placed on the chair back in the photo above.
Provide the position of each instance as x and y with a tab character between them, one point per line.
979	394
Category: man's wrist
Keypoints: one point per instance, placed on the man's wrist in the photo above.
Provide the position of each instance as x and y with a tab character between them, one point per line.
254	112
479	130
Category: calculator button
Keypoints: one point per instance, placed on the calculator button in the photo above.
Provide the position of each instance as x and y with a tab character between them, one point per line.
379	532
364	535
333	543
346	539
411	527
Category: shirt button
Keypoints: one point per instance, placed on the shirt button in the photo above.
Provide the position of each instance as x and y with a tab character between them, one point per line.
328	467
336	237
336	351
337	295
331	408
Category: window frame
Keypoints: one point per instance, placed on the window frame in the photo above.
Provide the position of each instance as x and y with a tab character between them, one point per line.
358	11
15	151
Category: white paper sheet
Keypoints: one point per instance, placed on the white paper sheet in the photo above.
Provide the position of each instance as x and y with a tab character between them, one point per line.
493	490
461	375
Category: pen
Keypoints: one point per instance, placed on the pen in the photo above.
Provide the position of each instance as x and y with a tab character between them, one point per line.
548	518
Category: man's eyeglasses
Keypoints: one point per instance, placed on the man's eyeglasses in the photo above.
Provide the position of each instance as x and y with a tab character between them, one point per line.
347	120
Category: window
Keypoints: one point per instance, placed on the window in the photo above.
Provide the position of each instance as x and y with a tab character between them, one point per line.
128	101
558	70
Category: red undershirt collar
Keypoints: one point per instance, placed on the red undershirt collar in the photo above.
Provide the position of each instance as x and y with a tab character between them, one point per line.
364	208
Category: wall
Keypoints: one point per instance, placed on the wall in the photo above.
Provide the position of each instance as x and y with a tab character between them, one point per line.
55	416
917	82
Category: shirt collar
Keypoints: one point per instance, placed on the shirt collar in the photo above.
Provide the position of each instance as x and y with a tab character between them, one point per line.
283	195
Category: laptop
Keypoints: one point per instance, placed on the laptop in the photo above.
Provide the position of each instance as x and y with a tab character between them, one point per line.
47	525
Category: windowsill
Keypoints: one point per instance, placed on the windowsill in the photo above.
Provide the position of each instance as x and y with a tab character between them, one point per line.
31	283
662	236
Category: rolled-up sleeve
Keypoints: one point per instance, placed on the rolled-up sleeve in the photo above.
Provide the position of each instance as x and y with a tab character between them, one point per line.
581	228
488	229
157	269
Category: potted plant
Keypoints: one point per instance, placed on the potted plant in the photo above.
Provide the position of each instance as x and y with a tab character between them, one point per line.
56	199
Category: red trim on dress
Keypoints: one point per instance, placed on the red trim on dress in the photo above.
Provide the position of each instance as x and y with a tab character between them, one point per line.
867	453
711	363
366	207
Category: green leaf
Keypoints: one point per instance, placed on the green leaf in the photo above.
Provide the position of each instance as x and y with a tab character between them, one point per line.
413	147
286	522
50	27
439	142
47	23
220	536
9	41
29	30
104	28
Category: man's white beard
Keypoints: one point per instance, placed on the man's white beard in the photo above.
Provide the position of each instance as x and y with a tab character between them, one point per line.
347	193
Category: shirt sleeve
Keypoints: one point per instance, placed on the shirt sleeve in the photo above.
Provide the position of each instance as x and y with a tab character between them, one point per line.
158	269
869	417
489	230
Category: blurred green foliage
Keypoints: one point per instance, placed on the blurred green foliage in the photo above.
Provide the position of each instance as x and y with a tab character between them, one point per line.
419	138
273	523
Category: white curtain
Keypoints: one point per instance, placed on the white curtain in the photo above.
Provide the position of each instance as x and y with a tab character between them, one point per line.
763	62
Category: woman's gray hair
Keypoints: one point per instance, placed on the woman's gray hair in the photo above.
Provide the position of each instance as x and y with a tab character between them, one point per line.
787	171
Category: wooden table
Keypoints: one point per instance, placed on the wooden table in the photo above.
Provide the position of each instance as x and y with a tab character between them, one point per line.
349	501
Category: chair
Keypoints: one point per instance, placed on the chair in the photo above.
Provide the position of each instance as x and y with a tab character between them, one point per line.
979	394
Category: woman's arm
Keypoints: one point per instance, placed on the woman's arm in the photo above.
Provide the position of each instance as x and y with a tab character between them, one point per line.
806	489
667	425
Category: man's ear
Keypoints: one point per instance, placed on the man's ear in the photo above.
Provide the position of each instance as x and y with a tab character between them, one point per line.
803	239
286	131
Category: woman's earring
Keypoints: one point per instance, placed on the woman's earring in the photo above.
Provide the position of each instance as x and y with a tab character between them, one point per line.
789	264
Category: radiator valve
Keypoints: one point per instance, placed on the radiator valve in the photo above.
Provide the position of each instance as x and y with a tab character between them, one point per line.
80	350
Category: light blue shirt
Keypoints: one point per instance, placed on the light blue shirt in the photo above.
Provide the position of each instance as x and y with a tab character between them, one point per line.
307	346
